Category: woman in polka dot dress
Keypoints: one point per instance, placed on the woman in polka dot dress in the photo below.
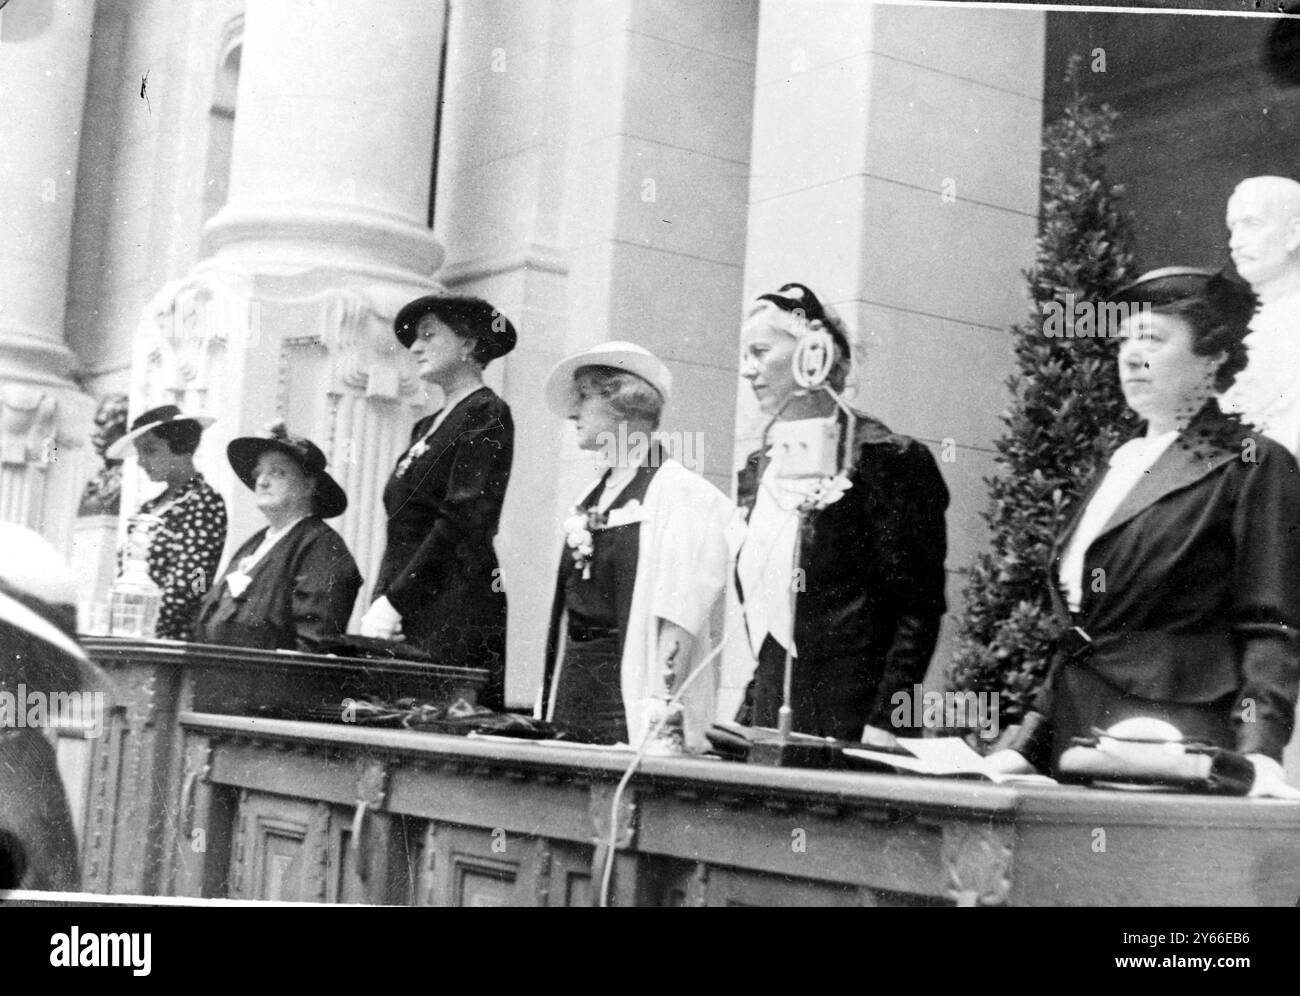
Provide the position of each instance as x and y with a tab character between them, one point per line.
186	547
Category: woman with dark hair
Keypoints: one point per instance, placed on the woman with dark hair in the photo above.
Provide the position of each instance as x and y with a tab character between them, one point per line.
186	546
439	584
871	555
645	560
1175	582
292	585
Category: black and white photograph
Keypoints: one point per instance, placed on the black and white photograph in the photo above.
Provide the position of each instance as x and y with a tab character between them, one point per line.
621	453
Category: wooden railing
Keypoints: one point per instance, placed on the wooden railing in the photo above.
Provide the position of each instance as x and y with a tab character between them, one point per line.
187	799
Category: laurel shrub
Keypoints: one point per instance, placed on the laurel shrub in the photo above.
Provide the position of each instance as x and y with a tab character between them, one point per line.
1066	414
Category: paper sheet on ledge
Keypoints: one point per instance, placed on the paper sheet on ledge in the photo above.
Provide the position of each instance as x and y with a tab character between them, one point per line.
949	756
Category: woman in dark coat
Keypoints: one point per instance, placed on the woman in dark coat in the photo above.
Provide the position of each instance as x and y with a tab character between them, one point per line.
872	590
439	584
1176	582
292	585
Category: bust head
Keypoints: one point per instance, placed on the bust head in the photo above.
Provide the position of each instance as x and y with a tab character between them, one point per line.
1264	234
110	424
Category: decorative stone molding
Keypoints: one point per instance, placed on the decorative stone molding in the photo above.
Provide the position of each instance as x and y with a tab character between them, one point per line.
27	436
977	863
185	331
369	242
39	447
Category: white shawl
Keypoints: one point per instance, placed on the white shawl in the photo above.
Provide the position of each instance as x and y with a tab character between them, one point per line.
681	574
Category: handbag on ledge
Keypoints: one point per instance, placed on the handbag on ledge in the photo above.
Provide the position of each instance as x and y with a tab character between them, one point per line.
1155	762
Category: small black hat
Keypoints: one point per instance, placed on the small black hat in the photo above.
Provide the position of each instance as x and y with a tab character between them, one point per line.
799	299
1232	299
243	452
471	317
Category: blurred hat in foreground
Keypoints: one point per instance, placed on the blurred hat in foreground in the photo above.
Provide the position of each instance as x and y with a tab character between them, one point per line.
38	617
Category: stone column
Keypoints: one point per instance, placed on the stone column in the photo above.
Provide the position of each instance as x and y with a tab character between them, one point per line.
44	419
324	236
592	184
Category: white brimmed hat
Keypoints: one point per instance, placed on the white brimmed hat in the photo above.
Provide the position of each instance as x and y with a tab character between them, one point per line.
626	357
38	599
152	419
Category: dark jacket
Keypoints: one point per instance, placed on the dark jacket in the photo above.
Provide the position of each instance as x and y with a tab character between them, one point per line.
868	615
440	569
1191	598
300	596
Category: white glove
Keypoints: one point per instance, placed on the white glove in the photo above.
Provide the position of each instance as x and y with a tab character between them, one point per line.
382	620
1270	779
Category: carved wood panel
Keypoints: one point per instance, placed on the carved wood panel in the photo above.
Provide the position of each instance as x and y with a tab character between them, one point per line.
472	866
281	849
737	887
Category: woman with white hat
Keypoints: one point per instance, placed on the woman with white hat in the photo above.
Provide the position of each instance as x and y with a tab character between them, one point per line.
644	562
185	548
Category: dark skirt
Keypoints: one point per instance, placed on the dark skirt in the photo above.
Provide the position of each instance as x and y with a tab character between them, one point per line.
589	692
830	698
474	636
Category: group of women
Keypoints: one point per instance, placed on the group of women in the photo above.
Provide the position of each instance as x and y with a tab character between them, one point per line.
1195	525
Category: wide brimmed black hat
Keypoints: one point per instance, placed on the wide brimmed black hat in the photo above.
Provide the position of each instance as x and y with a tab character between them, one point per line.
155	418
471	317
1234	301
331	500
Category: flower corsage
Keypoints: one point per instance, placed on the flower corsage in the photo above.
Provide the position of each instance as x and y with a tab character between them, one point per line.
825	491
578	528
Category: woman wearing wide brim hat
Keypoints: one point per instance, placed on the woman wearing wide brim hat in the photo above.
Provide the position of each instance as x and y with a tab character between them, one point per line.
292	585
185	547
439	584
644	559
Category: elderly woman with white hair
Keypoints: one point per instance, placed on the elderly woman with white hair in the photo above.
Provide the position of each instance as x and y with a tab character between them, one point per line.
644	562
871	587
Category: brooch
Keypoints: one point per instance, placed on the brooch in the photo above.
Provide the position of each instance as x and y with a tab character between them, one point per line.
810	494
413	454
826	491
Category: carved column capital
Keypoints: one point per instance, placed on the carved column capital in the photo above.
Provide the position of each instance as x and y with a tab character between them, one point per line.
27	429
